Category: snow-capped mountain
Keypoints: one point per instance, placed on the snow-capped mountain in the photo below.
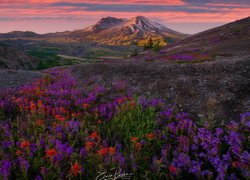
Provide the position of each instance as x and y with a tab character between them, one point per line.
110	31
114	31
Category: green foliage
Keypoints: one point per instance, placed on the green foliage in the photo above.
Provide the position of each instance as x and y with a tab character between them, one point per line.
149	44
156	47
153	45
132	122
135	52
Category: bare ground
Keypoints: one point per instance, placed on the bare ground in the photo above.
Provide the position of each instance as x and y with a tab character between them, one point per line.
216	90
16	78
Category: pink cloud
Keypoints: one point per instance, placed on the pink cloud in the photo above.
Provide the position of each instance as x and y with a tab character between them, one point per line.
166	2
33	13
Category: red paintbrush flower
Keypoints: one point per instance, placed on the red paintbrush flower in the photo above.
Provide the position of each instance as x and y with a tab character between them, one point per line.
112	151
133	139
85	106
50	153
25	144
89	145
103	151
75	169
138	145
150	136
172	169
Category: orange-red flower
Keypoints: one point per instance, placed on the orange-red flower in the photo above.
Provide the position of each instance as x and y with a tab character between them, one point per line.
120	101
25	144
19	152
59	118
99	121
236	164
85	106
138	146
39	103
150	136
63	110
75	169
50	153
134	139
89	145
132	103
95	136
32	106
112	151
40	122
172	169
103	151
107	151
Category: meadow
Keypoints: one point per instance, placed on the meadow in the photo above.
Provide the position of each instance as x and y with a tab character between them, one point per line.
59	128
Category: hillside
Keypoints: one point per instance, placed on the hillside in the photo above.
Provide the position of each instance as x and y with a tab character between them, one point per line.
19	34
227	40
12	58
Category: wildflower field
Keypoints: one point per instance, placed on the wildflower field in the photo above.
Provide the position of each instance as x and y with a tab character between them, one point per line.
55	128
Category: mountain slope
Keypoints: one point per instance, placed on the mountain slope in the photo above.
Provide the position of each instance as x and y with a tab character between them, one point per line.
12	58
19	34
226	40
130	31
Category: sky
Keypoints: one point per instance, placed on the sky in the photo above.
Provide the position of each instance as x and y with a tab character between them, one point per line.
187	16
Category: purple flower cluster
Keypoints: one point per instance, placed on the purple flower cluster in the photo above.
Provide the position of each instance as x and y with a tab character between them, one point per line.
59	130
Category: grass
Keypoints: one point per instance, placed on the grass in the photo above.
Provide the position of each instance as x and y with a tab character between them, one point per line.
49	58
130	122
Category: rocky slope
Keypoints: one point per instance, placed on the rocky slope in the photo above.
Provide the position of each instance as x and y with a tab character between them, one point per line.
227	40
216	90
12	58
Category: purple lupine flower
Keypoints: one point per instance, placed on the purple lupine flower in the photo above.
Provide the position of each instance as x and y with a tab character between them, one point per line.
38	177
23	164
245	157
182	161
121	159
219	132
154	165
5	167
232	176
196	168
233	126
74	126
7	144
206	174
235	142
183	144
168	113
44	171
120	85
245	118
99	90
182	57
83	153
57	159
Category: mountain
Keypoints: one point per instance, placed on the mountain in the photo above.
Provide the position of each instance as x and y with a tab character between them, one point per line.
227	40
113	31
11	58
109	31
19	34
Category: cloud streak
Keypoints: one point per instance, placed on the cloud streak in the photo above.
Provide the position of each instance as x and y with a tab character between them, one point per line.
166	11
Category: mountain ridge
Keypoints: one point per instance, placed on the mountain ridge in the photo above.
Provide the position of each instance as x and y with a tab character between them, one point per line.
110	31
